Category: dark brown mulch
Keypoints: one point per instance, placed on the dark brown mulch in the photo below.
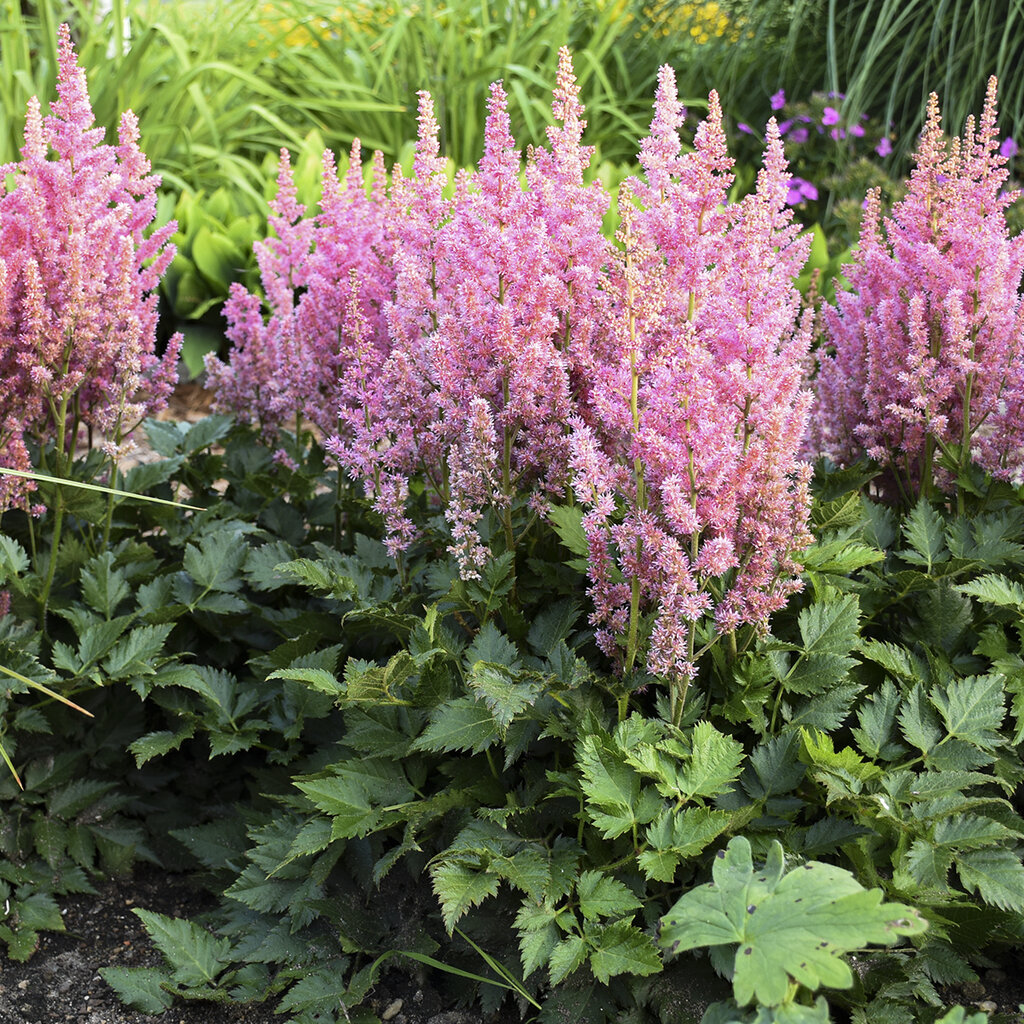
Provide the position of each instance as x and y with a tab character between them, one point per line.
61	984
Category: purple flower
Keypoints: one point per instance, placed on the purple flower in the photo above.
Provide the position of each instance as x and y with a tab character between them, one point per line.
798	135
800	189
830	116
884	147
1009	148
785	126
778	100
857	129
745	128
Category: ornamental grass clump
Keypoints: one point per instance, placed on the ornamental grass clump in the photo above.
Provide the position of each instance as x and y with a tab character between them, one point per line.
922	369
78	279
496	357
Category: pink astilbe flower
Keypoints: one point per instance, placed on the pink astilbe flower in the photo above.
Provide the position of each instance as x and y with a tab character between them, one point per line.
703	405
499	303
78	280
923	352
258	381
289	365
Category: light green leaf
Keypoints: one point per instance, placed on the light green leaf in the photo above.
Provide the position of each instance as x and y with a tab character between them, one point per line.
714	762
195	956
793	926
924	532
623	949
459	888
603	896
997	875
141	987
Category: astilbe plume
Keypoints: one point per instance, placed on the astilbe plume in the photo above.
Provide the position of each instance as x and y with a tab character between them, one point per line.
78	280
695	499
497	299
287	366
922	352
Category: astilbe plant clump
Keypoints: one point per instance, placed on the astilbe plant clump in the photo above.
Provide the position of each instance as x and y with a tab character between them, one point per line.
78	278
922	369
494	349
696	501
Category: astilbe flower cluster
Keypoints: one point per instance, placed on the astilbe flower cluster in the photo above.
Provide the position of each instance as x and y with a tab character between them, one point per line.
696	500
496	346
78	279
287	366
922	353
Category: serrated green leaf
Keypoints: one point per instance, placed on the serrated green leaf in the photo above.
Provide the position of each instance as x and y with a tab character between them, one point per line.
13	558
877	735
321	991
924	531
538	935
194	955
104	587
568	523
459	888
997	875
928	865
317	678
623	949
792	926
972	708
141	987
491	645
217	562
156	744
566	957
136	652
995	589
830	632
552	626
206	432
601	895
714	763
460	724
505	697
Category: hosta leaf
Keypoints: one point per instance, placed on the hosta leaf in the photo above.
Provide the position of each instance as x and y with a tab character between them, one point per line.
793	926
195	956
623	949
997	875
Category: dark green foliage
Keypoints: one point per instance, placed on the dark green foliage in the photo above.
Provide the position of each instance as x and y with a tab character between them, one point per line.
351	729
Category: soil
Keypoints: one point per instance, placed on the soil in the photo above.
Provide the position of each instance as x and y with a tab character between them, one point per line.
61	983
